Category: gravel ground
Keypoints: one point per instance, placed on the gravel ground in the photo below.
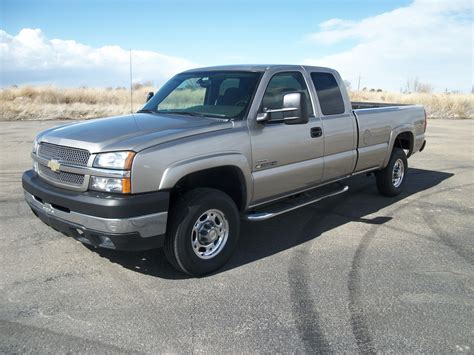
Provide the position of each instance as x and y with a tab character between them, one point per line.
357	273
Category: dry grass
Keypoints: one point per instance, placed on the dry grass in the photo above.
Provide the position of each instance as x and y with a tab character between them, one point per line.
48	102
437	105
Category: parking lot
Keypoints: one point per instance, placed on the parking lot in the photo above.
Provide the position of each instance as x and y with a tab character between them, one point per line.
356	273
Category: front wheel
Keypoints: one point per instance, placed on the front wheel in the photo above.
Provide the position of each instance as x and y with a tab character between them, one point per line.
203	231
390	180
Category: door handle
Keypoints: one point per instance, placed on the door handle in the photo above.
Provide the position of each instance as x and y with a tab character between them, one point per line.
316	132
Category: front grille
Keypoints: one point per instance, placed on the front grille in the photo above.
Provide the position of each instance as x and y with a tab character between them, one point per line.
61	176
63	154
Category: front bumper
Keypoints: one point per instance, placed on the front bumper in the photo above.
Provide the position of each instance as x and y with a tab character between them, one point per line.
124	222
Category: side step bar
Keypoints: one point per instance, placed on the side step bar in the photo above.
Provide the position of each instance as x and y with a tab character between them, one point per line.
293	203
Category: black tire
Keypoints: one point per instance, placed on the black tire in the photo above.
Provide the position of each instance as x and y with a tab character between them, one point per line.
178	247
385	184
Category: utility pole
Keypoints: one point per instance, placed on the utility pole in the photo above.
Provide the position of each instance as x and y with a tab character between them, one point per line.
131	84
358	84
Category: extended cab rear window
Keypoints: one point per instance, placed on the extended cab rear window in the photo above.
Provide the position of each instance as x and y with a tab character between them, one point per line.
329	94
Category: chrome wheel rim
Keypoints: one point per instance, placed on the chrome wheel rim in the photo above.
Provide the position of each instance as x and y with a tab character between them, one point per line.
398	172
209	234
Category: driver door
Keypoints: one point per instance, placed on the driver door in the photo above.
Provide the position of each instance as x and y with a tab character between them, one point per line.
286	157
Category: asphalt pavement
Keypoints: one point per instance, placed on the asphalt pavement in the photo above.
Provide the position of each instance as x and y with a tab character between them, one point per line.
355	273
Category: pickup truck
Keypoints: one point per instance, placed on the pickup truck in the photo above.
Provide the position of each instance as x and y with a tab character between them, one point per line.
212	147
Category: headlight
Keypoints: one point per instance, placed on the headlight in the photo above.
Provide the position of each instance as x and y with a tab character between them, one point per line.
35	145
114	160
110	184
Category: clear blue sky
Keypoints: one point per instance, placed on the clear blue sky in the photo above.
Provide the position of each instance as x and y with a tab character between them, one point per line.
199	30
385	42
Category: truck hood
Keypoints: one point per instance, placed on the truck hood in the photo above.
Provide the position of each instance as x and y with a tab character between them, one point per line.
131	132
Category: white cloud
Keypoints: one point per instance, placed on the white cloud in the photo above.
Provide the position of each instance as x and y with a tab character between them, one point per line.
430	40
29	57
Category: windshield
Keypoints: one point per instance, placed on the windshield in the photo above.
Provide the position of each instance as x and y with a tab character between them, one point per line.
222	94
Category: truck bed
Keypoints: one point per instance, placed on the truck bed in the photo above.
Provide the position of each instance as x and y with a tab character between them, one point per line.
378	123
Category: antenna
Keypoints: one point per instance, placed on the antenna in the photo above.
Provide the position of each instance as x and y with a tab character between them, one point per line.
131	84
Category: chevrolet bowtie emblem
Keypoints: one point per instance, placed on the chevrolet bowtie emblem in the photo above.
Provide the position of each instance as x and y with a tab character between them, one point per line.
54	165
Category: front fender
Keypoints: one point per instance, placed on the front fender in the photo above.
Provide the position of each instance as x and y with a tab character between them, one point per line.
180	169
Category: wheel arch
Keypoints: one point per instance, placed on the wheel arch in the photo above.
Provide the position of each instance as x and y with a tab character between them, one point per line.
208	172
401	137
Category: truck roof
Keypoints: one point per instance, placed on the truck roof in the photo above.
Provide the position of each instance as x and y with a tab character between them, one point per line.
256	67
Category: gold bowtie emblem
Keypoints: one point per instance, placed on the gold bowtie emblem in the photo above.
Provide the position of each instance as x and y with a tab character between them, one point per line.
54	165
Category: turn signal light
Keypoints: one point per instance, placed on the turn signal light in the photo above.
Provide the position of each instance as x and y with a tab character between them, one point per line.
426	121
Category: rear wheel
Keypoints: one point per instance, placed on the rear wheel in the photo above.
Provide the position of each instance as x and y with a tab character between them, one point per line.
390	180
203	231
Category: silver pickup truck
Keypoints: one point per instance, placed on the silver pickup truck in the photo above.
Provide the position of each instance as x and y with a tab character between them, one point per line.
211	147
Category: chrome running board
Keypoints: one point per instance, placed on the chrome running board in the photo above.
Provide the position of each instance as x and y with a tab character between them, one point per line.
293	203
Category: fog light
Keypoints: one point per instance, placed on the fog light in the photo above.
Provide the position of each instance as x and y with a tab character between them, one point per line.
110	184
105	242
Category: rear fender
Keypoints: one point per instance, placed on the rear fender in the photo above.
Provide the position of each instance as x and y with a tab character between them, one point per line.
393	135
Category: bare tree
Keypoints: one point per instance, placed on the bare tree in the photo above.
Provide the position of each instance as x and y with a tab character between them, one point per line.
415	85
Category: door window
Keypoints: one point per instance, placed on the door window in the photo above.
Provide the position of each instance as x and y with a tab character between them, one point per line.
284	83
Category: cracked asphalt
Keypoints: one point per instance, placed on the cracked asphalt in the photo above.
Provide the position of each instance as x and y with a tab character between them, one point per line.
356	273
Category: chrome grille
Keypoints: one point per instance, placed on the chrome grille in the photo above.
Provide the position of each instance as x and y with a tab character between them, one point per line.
61	176
64	154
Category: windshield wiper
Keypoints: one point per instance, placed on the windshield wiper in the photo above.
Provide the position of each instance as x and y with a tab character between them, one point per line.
145	111
195	114
213	115
181	113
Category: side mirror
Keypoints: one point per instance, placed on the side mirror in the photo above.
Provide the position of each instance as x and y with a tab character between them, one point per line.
149	96
293	111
